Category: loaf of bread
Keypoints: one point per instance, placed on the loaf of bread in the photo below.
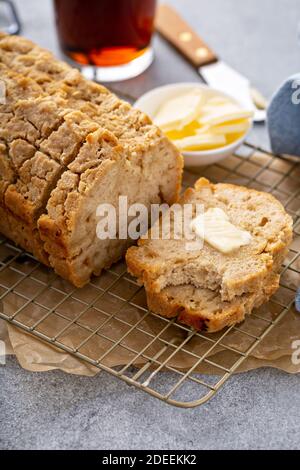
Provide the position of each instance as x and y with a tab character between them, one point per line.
204	286
67	145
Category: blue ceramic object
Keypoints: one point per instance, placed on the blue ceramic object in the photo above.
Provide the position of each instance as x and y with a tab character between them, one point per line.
297	301
284	118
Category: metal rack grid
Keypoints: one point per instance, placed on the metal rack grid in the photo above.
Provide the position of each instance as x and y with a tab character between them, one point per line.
102	322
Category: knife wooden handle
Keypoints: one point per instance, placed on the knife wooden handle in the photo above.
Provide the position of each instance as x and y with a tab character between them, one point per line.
172	27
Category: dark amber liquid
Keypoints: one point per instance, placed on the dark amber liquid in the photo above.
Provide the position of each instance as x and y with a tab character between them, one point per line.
104	32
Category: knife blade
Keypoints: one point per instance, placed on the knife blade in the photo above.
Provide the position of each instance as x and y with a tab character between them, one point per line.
214	71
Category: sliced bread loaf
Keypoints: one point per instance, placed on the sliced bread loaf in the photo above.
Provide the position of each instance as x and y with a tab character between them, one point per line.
67	145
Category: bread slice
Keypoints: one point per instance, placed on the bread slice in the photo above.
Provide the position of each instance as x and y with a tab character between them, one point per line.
160	263
203	309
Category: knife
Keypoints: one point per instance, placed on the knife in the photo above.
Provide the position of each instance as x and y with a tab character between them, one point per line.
214	71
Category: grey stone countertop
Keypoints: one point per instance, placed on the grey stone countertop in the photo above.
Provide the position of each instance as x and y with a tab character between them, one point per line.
255	410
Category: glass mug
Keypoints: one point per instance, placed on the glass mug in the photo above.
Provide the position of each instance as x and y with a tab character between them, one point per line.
110	39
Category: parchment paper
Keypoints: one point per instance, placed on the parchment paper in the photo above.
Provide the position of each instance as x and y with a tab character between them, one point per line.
276	350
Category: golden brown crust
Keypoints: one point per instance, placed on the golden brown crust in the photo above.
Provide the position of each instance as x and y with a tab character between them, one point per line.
24	235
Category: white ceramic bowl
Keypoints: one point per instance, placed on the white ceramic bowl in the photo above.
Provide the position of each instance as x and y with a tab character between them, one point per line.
150	102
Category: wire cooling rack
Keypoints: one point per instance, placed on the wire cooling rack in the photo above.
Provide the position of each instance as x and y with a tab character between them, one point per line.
107	323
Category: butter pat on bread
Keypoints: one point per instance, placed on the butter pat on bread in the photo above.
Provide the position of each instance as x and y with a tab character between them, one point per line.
208	286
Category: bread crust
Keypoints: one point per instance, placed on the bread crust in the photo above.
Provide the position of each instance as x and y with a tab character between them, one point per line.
23	235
